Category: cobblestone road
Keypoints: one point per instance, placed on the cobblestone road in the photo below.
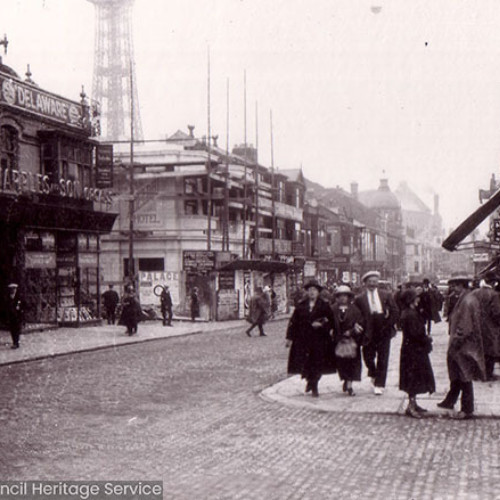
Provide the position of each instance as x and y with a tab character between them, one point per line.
187	411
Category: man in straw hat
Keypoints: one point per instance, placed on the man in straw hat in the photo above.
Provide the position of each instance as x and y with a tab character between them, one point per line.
15	314
380	313
465	356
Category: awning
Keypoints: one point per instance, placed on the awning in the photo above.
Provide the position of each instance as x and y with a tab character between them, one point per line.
469	224
265	266
45	212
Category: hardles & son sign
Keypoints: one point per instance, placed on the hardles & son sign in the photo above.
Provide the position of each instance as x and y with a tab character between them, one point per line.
41	103
21	182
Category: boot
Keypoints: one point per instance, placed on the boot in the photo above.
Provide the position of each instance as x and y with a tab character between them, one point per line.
314	390
411	410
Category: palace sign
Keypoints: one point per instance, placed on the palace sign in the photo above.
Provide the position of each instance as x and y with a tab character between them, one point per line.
28	98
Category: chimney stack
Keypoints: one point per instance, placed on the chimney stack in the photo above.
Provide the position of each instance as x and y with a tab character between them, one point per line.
354	190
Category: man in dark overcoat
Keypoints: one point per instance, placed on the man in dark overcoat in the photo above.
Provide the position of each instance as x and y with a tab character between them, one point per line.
15	314
381	314
465	349
166	306
309	338
111	300
489	302
259	313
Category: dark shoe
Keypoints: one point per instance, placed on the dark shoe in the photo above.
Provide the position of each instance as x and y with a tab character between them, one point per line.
315	393
263	335
444	404
344	387
308	387
412	412
420	409
248	333
15	346
461	415
350	391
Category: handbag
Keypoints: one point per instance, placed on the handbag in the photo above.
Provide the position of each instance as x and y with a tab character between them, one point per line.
346	348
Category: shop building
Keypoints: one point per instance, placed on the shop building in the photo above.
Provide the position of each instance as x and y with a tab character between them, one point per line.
222	223
52	214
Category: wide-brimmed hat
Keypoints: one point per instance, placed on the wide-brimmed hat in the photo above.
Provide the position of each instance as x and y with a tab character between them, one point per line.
408	296
12	285
343	290
370	274
313	283
459	278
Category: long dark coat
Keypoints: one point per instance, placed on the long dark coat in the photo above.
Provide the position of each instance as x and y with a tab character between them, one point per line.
415	370
344	321
489	302
259	309
465	348
131	311
311	353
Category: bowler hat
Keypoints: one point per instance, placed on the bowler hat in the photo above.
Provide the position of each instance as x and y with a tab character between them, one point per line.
343	290
313	283
370	274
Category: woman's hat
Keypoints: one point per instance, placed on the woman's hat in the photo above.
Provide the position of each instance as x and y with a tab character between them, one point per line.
12	285
408	296
343	290
370	274
313	283
460	278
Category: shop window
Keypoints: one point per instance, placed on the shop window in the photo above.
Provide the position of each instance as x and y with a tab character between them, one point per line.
193	185
152	264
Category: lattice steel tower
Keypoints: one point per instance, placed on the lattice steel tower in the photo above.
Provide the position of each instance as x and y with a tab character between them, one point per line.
114	69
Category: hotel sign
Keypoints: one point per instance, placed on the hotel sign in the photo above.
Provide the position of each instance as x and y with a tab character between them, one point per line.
28	98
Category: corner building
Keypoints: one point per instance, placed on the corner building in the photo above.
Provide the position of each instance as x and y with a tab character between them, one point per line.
51	211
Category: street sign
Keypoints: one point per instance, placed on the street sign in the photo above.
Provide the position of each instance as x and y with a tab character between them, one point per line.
480	257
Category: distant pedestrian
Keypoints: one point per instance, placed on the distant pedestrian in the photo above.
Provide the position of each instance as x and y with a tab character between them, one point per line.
309	338
415	370
380	314
465	349
259	312
166	306
111	300
489	302
347	337
15	313
195	304
429	305
131	311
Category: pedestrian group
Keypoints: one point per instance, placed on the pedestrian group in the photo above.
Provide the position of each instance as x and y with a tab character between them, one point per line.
333	331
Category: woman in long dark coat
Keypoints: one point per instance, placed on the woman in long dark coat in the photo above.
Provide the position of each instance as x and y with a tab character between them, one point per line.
415	370
348	327
131	311
308	334
195	304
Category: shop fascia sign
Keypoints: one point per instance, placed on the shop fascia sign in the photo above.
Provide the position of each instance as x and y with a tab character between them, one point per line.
27	98
22	182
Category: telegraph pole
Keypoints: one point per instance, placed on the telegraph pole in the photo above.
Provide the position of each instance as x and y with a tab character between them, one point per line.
131	267
225	233
256	173
209	166
245	163
273	190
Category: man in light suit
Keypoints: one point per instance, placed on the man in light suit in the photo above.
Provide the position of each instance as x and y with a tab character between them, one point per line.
380	313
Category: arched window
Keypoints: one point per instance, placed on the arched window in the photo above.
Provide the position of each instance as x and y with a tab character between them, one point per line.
9	147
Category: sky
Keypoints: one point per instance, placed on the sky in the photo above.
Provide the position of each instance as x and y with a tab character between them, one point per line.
358	89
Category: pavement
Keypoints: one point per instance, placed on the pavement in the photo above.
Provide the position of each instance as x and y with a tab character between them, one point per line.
291	390
188	411
44	343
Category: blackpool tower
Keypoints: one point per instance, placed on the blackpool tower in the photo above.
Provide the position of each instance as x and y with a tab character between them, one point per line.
114	83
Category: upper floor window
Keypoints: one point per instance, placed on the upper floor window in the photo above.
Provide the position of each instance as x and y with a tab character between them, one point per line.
9	146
